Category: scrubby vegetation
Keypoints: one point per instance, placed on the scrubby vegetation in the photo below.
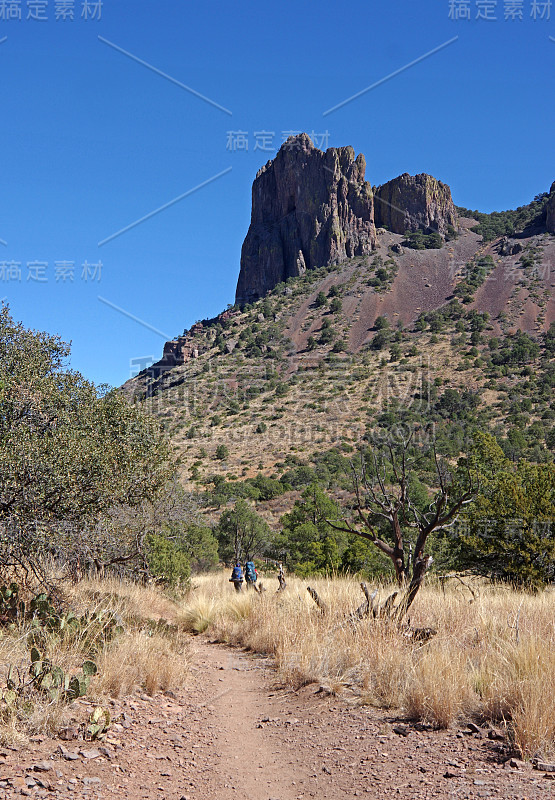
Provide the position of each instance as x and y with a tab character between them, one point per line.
507	223
95	638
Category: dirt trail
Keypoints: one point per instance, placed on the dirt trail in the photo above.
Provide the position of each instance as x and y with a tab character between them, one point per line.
235	734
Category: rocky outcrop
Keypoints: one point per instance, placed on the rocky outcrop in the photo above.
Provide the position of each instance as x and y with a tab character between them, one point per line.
550	210
309	209
414	202
312	209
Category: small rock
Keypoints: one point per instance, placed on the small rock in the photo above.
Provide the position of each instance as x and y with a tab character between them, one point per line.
66	754
450	774
473	727
495	734
90	754
44	766
545	767
91	781
515	763
69	733
479	783
401	730
326	770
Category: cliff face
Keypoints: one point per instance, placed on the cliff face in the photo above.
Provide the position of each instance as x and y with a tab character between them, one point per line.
309	209
414	202
550	210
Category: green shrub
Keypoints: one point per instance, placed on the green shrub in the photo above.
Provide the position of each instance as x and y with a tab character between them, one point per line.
168	561
222	452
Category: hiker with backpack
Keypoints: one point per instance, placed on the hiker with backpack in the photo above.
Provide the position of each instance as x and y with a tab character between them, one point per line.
250	574
237	577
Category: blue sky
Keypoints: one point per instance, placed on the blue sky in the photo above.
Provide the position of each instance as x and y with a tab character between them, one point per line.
94	140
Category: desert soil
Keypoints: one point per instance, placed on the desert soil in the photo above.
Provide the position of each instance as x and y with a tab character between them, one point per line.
235	733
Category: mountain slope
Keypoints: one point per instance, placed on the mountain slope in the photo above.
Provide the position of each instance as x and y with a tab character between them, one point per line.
435	341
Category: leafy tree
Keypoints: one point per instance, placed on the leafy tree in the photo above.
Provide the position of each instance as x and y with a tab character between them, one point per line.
336	305
69	452
509	533
222	452
418	240
242	534
308	543
201	547
328	335
321	300
380	340
168	562
381	323
395	352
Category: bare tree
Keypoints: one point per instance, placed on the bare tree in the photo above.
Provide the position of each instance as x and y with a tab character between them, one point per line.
382	493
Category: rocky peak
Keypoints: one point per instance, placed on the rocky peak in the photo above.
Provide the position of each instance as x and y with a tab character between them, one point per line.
309	209
312	209
414	202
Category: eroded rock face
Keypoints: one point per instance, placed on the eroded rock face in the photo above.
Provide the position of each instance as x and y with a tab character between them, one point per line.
309	209
414	202
550	210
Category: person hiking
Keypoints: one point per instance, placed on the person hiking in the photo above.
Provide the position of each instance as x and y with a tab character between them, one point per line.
237	577
250	574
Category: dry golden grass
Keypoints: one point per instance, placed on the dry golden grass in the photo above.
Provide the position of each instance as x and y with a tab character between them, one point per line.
153	661
481	663
147	654
134	601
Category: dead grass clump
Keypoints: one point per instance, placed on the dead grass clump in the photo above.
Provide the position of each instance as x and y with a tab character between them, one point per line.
199	615
135	602
438	688
149	660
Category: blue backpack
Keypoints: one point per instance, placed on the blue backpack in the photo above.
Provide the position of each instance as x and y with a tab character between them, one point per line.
251	571
237	574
